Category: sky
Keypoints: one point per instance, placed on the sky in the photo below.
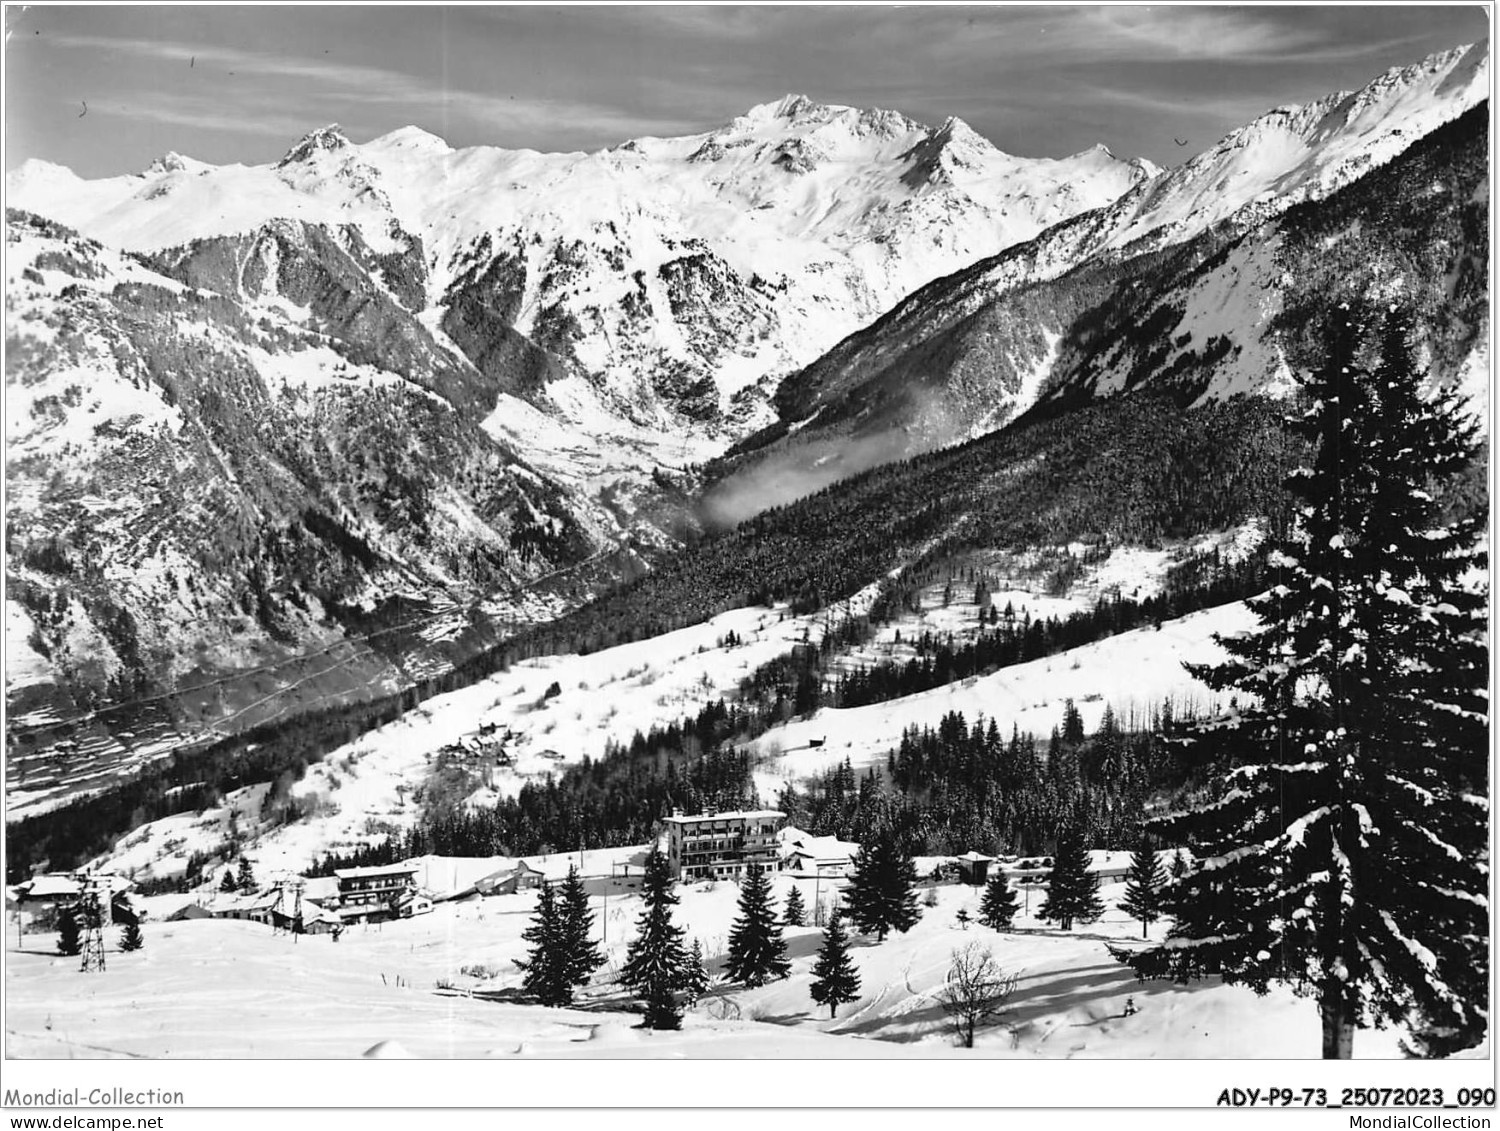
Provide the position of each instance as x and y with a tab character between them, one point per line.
241	83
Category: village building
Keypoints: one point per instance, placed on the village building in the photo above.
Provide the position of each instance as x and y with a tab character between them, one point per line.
375	892
50	891
724	845
319	920
519	876
808	855
255	907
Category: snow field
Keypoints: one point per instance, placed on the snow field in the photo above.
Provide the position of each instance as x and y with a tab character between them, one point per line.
218	988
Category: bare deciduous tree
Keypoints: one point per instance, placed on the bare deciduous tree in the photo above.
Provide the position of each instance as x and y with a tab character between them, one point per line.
976	992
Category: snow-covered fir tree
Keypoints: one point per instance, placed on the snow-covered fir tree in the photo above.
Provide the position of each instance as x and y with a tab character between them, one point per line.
131	937
835	977
757	952
1347	836
795	914
245	878
1072	890
227	884
581	956
997	907
547	975
656	961
695	981
881	895
1143	885
68	930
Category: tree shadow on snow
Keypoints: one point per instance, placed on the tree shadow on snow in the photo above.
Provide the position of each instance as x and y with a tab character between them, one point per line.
782	1018
1048	994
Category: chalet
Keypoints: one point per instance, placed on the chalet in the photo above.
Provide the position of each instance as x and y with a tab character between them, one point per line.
57	890
810	855
520	876
724	845
319	920
256	907
488	743
410	903
374	892
188	912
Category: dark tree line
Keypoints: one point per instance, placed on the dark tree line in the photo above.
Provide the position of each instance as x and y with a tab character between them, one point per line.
969	786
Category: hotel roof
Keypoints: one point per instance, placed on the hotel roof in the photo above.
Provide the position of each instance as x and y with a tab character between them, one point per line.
377	870
734	815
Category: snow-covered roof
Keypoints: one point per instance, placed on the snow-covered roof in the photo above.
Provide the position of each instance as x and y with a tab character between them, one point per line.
451	874
973	857
321	887
233	901
47	886
595	862
794	840
377	870
727	815
58	885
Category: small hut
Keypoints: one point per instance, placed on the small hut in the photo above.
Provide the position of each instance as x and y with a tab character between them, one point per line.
974	867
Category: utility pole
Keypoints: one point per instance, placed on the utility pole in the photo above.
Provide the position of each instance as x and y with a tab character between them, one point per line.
93	904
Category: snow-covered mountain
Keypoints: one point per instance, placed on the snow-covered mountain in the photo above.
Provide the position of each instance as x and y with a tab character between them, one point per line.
292	434
968	352
659	278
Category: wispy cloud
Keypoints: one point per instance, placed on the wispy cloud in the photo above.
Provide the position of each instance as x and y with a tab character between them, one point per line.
1255	37
359	85
206	114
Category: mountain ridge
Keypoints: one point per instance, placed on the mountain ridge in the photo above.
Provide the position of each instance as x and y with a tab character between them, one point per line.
883	393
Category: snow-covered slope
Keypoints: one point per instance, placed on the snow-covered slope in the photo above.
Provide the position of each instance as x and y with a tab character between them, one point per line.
1132	674
1295	153
364	789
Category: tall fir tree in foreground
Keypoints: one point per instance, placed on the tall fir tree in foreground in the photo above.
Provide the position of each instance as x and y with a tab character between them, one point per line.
1350	820
796	911
656	961
997	907
546	964
757	952
882	896
1144	885
68	930
581	955
245	877
835	977
1073	890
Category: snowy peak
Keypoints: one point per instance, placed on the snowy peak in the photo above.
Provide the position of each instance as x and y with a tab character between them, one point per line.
952	148
662	284
324	139
410	139
798	115
1294	153
170	162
